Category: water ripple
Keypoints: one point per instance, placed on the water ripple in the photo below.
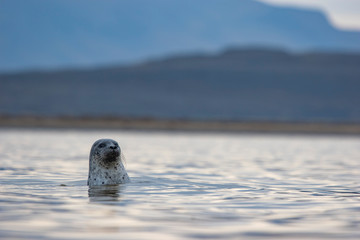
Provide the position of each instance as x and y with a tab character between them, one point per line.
184	186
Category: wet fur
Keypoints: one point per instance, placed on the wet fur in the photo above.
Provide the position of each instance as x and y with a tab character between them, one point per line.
105	164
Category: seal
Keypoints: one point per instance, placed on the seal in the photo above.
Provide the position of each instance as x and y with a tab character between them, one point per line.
105	164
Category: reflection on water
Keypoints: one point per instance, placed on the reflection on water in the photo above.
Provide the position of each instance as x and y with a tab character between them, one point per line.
105	193
184	186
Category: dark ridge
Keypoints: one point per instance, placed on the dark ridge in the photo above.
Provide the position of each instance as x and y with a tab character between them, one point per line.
235	85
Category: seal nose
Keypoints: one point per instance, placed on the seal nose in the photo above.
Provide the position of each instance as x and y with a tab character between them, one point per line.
113	147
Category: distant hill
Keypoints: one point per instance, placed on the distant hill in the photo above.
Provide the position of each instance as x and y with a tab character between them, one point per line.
42	34
238	84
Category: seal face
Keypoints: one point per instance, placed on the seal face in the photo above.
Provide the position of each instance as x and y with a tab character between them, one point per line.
105	164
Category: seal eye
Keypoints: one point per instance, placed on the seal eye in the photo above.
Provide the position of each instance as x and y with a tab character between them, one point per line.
102	145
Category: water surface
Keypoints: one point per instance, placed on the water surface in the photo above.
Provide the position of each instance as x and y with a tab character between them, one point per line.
184	186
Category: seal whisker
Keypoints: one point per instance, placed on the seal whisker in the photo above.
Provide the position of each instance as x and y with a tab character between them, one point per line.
122	158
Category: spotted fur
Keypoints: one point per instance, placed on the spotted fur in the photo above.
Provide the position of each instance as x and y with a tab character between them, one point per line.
105	164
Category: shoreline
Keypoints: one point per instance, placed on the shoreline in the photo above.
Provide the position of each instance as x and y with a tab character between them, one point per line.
180	125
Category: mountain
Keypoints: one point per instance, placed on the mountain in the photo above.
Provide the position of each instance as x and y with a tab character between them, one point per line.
42	34
237	84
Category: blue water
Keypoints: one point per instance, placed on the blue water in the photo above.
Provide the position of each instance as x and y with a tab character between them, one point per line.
184	186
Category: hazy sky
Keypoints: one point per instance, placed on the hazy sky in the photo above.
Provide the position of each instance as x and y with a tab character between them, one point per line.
342	13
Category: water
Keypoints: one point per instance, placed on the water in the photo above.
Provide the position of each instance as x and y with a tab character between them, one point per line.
184	186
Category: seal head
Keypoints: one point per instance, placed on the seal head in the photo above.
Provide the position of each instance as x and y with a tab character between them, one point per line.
105	164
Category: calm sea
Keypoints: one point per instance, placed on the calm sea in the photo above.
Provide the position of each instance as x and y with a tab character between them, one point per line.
184	186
